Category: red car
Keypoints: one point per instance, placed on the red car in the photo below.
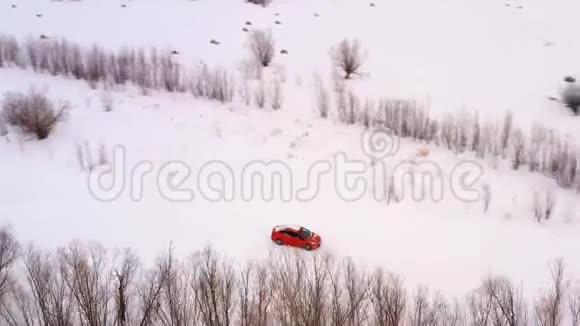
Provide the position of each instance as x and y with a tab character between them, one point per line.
296	236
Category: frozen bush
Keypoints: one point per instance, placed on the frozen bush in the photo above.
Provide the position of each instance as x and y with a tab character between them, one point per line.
262	46
322	98
347	57
276	97
214	84
107	100
543	205
260	95
571	97
32	113
263	3
245	92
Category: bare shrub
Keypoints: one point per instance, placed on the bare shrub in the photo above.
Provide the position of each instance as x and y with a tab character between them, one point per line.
347	56
567	167
32	113
486	196
251	69
88	158
543	205
571	97
549	307
388	299
519	149
275	95
9	51
245	92
107	100
263	3
506	131
261	44
260	95
322	98
214	84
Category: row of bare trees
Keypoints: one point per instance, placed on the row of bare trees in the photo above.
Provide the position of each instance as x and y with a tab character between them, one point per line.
540	149
150	69
83	284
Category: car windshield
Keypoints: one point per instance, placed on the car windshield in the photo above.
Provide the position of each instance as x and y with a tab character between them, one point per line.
305	233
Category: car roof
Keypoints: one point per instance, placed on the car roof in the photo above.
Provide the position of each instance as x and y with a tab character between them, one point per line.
294	227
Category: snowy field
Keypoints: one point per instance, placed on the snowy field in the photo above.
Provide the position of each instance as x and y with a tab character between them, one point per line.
452	55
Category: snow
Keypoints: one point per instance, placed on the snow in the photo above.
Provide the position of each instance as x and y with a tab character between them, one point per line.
454	55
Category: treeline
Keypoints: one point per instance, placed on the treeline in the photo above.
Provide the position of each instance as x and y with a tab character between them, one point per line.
84	284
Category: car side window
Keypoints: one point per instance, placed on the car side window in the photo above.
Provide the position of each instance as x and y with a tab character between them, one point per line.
292	234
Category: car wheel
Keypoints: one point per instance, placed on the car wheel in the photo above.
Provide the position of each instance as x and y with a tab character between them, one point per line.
279	242
307	247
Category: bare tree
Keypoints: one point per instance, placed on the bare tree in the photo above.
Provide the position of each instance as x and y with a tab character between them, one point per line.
519	149
86	272
262	44
255	295
32	113
52	298
388	299
348	295
9	252
177	302
123	287
549	307
149	294
347	56
508	306
428	309
214	288
575	309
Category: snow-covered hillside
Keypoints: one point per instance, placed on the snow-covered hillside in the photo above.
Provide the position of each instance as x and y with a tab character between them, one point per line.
452	56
